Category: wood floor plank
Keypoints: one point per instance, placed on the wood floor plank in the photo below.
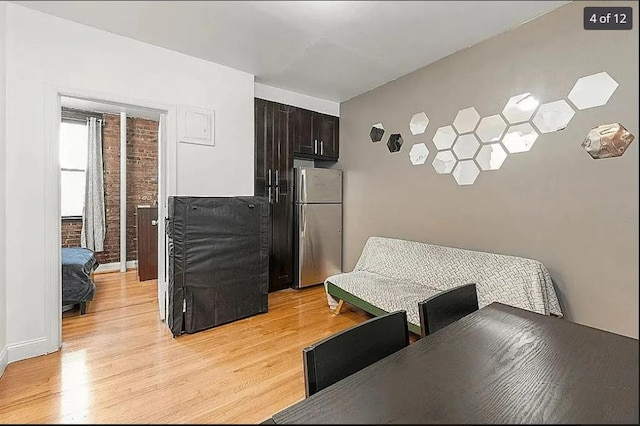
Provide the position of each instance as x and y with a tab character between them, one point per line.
120	364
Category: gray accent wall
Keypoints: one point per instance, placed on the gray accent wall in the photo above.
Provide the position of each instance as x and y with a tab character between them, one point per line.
555	204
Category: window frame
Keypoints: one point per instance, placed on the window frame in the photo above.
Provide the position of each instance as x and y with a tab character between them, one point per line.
75	116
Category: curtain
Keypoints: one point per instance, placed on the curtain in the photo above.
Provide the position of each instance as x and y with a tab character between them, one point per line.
93	214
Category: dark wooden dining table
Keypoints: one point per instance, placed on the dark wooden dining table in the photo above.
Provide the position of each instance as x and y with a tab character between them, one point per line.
498	365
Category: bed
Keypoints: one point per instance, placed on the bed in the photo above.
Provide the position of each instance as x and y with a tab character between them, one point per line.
77	286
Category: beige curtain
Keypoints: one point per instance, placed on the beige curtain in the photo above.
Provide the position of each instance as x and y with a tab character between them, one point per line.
93	214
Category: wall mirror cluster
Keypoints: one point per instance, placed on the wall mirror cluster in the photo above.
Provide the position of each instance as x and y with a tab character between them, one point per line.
473	143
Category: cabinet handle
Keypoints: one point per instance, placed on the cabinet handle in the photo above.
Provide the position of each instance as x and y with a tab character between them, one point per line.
269	178
315	146
321	148
269	195
277	181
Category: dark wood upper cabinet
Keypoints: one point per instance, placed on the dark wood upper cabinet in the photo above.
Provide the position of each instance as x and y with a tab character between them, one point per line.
315	135
328	136
303	140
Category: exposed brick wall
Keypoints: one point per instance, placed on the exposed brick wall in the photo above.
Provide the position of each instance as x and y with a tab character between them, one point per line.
142	173
142	184
71	233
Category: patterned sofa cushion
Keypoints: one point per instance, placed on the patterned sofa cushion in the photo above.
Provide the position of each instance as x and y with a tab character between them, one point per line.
394	272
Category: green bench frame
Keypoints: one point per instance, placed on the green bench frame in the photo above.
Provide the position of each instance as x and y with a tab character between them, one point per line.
340	294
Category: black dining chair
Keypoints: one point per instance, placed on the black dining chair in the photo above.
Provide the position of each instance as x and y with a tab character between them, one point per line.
447	307
353	349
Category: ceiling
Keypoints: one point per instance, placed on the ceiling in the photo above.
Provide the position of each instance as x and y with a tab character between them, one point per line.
333	50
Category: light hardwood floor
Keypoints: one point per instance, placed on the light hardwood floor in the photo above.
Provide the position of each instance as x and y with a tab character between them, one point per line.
119	363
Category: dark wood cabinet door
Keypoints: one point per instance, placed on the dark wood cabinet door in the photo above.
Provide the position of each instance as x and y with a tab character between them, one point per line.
261	148
147	244
327	135
304	139
281	271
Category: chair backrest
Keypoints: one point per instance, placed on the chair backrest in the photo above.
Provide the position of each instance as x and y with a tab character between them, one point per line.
447	307
353	349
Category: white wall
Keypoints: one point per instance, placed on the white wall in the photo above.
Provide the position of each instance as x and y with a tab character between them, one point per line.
297	99
3	314
45	51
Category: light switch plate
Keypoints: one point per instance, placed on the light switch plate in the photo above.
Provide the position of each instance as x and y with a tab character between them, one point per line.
196	125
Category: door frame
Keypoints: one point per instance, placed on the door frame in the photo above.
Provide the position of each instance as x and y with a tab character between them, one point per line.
167	179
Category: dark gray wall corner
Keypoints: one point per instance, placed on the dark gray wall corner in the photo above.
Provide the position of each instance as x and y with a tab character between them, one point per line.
576	215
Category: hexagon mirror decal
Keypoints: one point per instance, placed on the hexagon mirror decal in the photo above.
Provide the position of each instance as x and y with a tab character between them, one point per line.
466	146
376	133
418	154
553	116
593	90
466	120
491	156
608	140
444	162
418	123
466	172
444	137
395	142
491	128
520	108
520	138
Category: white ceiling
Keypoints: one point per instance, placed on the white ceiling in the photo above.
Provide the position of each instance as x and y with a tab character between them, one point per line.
329	49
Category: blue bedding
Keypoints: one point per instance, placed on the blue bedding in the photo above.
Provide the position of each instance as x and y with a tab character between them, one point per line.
77	265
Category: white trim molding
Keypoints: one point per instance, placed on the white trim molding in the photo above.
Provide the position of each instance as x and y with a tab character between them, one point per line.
4	360
115	267
28	349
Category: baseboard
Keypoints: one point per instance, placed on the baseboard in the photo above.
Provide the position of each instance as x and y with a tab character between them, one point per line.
115	267
27	349
4	359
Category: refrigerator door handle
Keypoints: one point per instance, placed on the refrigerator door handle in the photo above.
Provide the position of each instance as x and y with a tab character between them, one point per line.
315	146
321	148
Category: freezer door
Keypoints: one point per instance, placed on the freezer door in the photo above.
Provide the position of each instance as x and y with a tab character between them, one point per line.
318	185
320	242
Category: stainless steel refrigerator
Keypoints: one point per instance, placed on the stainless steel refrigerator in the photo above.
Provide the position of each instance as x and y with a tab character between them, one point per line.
317	225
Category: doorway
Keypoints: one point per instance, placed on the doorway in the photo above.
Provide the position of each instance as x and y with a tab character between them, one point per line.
140	129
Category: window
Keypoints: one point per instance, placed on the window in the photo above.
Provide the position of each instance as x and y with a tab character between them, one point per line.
74	144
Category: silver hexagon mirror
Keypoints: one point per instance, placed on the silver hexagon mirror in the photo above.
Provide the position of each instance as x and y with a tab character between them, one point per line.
553	116
520	138
466	146
444	162
376	133
608	140
491	156
593	90
444	137
491	128
466	120
520	108
418	154
466	172
418	123
395	142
